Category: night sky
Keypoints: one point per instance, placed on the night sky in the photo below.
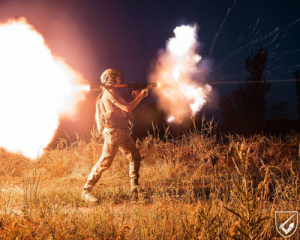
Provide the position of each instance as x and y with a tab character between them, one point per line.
95	35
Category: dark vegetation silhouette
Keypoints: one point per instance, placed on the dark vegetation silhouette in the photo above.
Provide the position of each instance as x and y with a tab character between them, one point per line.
279	122
244	112
297	76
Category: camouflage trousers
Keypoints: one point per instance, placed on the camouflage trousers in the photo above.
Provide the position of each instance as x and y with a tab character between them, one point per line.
115	139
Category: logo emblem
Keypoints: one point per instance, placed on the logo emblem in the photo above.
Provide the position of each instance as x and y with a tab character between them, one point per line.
286	222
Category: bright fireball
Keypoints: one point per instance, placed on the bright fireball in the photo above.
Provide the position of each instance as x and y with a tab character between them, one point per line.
36	89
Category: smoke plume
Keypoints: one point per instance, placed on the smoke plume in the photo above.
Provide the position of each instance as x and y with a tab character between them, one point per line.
180	94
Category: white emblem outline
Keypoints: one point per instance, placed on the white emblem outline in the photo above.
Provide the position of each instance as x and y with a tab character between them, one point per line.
283	224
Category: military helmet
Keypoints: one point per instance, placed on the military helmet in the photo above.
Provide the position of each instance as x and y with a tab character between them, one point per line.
109	73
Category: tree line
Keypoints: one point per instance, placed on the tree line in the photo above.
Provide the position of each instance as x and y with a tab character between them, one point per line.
244	112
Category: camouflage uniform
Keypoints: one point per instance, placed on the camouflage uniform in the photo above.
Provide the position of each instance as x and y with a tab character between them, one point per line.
116	137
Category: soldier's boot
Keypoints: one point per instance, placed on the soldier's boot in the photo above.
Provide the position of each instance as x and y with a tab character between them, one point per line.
134	186
88	197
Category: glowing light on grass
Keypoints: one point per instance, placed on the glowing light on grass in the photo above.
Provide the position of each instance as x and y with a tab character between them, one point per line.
181	95
171	119
36	90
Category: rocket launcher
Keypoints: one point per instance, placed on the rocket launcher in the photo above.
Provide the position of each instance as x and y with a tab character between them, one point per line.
120	86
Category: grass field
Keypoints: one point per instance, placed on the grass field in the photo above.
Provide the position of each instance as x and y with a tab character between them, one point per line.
194	187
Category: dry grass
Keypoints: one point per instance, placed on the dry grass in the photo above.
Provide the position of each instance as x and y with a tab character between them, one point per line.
195	187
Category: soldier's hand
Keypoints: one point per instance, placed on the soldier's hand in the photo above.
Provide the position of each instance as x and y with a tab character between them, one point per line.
144	93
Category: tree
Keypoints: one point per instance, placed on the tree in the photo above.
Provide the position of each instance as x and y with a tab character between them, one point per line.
279	112
279	122
244	112
297	76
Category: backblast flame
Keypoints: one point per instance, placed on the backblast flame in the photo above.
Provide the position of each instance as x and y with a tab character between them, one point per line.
36	90
180	97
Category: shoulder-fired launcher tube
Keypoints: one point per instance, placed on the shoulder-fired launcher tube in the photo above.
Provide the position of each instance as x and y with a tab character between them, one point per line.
126	85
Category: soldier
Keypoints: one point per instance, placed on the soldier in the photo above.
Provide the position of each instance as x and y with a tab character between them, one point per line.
115	132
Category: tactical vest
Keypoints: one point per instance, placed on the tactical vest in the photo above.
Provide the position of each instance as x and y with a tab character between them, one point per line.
115	119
